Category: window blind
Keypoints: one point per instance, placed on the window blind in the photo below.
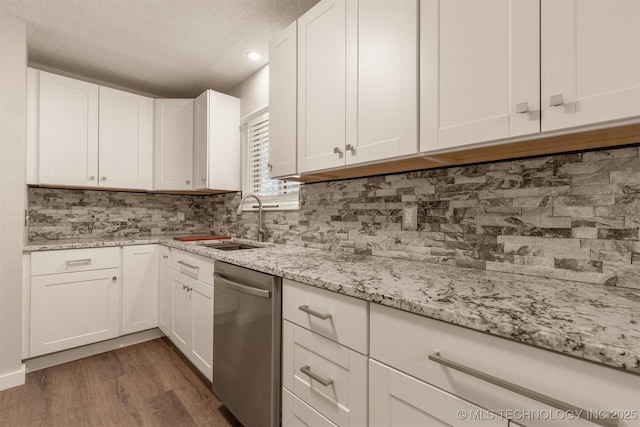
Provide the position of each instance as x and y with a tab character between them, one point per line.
274	193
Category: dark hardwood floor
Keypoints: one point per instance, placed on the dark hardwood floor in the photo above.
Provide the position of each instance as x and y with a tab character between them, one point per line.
148	384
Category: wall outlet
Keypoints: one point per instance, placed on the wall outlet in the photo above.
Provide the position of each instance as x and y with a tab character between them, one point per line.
181	216
410	218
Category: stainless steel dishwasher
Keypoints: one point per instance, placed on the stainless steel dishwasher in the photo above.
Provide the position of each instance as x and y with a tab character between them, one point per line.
246	343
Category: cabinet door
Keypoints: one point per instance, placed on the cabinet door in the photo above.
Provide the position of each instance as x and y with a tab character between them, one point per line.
126	138
201	141
68	141
164	294
396	399
387	80
181	312
283	103
201	354
173	144
140	267
590	61
73	309
326	71
479	67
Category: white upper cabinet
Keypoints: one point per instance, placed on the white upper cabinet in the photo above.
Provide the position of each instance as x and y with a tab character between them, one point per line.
216	144
322	86
126	139
173	144
590	62
85	135
357	82
283	103
387	108
479	74
68	131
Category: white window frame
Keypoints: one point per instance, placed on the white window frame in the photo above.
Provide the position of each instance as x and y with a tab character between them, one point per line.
272	201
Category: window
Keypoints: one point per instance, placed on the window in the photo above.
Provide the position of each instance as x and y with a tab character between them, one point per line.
275	194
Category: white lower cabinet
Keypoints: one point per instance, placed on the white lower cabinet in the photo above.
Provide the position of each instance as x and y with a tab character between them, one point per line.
426	358
396	399
191	317
75	298
140	270
325	375
164	291
296	413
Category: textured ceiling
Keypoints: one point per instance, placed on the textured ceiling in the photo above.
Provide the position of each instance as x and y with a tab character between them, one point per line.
170	48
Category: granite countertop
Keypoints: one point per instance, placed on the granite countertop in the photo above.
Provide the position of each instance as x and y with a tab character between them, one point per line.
592	322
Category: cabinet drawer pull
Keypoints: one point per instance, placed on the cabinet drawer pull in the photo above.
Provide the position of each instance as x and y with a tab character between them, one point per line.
306	309
610	421
78	261
186	264
306	369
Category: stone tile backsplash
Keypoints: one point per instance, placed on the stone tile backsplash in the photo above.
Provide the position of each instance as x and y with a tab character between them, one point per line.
570	216
67	214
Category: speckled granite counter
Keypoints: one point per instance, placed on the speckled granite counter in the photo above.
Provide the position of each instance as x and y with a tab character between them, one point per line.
597	323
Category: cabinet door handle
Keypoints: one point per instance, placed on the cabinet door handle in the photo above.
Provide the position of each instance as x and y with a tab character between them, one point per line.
523	107
78	261
556	100
92	178
186	264
104	178
337	150
306	369
350	147
187	181
534	395
306	309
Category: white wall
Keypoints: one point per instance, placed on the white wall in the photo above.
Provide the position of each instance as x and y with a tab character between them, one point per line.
13	75
253	92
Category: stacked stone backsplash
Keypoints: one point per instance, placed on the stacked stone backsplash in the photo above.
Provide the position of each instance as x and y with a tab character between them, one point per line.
571	216
67	214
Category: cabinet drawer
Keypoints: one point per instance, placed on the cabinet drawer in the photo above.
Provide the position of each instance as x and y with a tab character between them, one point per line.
396	399
70	260
309	359
196	266
563	378
347	318
296	413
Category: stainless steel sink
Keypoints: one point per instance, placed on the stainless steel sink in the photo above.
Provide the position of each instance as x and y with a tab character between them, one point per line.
228	246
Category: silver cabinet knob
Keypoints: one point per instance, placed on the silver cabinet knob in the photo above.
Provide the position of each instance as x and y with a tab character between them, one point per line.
350	147
92	178
523	107
556	100
187	182
270	166
337	150
104	178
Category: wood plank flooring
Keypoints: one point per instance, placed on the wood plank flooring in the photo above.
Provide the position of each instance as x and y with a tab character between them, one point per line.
148	384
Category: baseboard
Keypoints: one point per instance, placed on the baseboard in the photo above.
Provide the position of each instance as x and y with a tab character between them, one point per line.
72	354
13	379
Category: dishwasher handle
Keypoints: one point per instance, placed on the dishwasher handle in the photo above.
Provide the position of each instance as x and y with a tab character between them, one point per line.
262	293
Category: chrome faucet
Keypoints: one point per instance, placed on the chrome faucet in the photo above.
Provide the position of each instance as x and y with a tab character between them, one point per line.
239	212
